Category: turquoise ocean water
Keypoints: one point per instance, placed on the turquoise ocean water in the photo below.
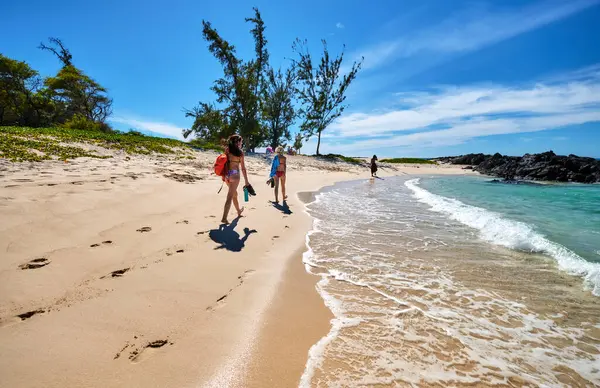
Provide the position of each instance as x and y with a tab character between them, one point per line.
558	220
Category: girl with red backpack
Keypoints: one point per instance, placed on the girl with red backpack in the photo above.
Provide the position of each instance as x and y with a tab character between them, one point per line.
234	168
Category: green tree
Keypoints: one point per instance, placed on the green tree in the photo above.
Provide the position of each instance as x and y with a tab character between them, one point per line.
79	121
58	49
79	94
278	108
75	93
298	142
321	90
242	83
21	101
210	124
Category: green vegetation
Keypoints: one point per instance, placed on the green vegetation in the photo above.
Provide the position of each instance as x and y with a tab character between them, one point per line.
239	91
252	98
204	145
408	161
69	98
298	142
321	89
343	158
17	149
278	106
36	144
259	102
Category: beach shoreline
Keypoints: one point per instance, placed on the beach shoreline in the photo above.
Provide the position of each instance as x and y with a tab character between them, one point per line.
401	279
298	317
141	287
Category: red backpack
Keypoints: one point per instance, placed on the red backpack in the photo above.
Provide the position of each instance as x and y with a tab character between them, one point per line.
220	166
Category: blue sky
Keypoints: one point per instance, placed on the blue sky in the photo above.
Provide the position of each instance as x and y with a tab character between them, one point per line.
439	78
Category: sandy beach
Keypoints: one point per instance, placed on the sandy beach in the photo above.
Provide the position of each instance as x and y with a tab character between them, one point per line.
115	272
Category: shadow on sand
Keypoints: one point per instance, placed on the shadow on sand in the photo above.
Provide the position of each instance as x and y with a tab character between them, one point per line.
285	209
228	238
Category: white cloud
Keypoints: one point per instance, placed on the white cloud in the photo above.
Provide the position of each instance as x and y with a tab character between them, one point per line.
339	25
377	55
153	126
453	115
461	132
470	30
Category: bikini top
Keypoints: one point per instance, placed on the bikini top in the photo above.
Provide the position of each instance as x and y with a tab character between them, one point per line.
234	159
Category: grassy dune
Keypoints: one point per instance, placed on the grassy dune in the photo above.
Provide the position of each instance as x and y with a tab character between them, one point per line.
21	144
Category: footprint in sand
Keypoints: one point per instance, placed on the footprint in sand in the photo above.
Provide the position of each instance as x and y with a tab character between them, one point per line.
137	355
107	242
183	222
144	229
116	274
220	300
29	314
35	263
20	318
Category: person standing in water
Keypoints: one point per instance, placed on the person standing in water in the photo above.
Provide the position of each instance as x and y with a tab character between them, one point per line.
374	166
236	167
278	170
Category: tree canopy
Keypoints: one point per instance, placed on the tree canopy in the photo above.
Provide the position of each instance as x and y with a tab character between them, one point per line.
321	90
278	107
259	102
240	88
70	97
77	93
298	142
251	97
20	97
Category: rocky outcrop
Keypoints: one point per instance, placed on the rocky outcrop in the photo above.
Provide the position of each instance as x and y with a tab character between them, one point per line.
546	166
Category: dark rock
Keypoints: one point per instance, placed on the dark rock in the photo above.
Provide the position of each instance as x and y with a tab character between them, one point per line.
546	166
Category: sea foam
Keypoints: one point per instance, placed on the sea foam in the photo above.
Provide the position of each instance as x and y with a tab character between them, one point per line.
512	234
